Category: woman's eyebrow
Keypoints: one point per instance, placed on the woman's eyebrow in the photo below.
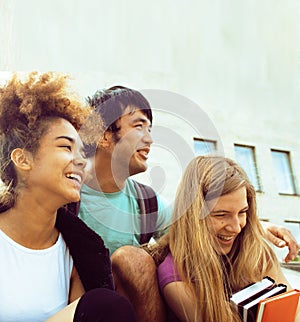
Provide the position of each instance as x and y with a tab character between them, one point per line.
72	140
219	210
226	211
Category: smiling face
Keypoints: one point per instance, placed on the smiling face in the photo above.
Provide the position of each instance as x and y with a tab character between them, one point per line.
130	152
58	166
227	219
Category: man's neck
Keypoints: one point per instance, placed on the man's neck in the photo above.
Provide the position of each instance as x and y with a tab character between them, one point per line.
101	177
108	185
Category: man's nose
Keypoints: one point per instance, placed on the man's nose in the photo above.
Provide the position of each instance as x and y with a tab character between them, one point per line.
148	137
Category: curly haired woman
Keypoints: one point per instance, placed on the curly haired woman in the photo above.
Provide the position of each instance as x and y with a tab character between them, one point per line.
53	267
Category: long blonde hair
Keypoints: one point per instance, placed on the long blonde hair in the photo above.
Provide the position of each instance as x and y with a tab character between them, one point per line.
211	277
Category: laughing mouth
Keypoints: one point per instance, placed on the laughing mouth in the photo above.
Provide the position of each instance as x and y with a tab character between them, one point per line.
225	238
74	176
144	152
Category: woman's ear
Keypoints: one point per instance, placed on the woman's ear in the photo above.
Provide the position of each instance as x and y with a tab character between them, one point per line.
21	158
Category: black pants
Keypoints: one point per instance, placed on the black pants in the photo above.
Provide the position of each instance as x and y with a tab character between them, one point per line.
103	305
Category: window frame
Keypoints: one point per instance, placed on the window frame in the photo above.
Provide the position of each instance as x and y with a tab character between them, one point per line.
258	185
291	177
210	142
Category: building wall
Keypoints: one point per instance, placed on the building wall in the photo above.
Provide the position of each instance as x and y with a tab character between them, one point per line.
235	62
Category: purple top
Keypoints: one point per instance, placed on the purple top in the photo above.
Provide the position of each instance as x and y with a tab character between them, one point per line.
166	272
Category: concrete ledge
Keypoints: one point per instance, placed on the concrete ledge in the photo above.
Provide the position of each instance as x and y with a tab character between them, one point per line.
291	265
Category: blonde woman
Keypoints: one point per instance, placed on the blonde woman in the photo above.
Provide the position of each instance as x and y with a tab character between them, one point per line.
215	245
53	267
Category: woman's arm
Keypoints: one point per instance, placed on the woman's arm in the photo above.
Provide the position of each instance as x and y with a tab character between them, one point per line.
66	314
180	300
76	287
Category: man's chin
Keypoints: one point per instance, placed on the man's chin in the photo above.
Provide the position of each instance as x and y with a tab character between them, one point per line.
137	170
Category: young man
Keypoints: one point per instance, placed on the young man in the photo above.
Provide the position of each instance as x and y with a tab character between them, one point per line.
109	198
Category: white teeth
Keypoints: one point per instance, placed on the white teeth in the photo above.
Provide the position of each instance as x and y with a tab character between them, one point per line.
74	176
227	238
143	153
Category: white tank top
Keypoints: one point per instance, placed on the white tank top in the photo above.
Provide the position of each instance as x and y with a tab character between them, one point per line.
34	284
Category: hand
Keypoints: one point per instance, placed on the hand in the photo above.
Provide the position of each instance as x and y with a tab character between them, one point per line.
281	237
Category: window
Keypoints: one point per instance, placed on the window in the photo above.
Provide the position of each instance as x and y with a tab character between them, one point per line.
204	147
283	171
245	157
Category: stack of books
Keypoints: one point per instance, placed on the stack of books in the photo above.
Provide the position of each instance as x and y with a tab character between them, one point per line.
266	301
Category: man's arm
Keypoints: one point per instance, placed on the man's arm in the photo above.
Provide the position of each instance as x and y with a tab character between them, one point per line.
281	237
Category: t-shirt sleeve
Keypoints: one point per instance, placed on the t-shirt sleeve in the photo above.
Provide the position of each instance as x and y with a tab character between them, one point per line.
164	216
166	272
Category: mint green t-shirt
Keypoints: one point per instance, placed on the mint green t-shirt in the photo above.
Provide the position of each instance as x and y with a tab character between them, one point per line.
116	216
